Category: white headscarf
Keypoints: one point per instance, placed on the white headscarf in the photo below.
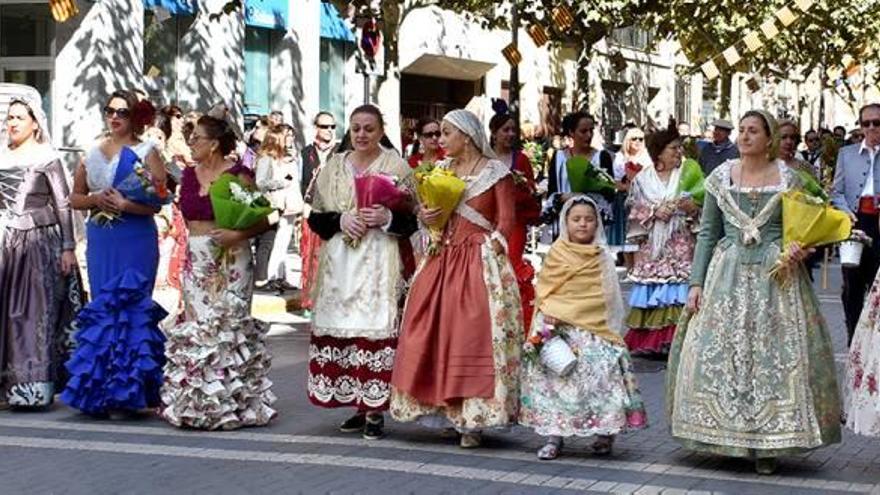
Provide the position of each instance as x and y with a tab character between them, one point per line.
40	154
468	123
580	199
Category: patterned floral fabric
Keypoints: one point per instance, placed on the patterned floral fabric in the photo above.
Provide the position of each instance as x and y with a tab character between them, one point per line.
656	277
861	397
752	373
507	337
350	372
216	376
599	397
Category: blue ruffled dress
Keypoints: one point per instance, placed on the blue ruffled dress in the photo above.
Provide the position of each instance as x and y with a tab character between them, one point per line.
120	350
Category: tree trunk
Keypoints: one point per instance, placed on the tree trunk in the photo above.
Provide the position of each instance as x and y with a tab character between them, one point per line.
726	90
582	91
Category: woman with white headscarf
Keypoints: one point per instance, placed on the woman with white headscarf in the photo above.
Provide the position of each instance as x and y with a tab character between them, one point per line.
579	300
40	292
457	361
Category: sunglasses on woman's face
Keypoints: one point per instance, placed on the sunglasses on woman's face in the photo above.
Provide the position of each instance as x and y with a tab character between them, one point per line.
639	139
430	135
122	113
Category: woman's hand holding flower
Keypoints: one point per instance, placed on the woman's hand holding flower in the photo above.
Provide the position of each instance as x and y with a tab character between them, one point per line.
429	216
352	226
376	216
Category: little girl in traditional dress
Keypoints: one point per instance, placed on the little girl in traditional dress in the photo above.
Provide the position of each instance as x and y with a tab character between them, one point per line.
578	299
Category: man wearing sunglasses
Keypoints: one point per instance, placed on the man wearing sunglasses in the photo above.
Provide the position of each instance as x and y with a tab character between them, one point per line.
856	189
315	155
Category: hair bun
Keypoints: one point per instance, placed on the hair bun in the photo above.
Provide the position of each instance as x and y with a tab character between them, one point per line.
143	114
499	106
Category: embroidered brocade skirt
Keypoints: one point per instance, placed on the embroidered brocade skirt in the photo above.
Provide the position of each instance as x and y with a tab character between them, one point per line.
752	373
354	330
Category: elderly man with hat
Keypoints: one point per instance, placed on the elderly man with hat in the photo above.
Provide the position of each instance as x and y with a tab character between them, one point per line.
720	149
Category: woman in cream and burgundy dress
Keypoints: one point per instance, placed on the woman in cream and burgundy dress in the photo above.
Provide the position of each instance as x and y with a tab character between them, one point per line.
458	358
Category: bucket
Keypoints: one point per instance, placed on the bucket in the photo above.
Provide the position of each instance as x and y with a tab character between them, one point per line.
556	356
851	253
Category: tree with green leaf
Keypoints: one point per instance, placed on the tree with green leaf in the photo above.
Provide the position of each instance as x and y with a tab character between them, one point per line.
819	39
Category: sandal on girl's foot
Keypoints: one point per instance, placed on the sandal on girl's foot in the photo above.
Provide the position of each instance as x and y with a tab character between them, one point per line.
603	445
354	424
766	465
470	440
373	430
550	450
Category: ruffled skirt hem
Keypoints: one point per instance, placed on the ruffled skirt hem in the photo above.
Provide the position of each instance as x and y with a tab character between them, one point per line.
117	364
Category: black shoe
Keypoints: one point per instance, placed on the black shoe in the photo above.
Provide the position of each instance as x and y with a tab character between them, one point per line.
354	424
374	426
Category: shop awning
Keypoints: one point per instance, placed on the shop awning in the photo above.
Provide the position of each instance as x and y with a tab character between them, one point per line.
272	14
448	67
332	25
174	7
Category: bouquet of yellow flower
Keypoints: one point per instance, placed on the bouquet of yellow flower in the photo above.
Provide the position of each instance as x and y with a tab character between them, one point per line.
438	187
807	221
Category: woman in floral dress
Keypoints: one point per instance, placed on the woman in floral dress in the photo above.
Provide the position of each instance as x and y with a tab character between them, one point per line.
579	296
751	371
663	224
217	370
861	387
458	358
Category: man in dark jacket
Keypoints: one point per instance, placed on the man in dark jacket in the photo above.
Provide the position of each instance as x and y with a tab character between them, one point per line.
720	149
316	154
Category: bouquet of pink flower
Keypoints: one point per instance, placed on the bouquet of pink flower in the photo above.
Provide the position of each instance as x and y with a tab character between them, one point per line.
379	189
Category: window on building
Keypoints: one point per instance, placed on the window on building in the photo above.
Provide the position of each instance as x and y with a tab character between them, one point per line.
334	56
257	56
27	35
161	51
632	37
710	96
613	109
682	100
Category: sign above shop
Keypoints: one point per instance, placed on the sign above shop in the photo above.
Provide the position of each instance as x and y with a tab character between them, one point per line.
272	14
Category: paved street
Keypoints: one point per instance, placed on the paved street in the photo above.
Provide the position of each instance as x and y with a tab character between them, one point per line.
62	451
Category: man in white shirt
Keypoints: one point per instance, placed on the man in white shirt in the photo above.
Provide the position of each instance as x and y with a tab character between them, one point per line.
856	189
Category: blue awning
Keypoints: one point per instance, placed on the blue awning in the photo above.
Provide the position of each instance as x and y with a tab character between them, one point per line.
174	7
272	14
332	25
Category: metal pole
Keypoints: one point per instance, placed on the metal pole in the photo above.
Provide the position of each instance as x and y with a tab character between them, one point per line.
514	71
366	87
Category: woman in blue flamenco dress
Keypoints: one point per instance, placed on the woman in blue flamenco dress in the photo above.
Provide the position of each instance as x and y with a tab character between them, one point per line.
117	365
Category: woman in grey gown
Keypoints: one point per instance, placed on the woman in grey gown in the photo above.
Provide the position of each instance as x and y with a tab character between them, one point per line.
39	290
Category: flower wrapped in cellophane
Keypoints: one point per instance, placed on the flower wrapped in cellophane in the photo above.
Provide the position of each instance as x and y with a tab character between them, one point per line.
134	181
807	221
584	177
377	190
691	183
438	187
237	206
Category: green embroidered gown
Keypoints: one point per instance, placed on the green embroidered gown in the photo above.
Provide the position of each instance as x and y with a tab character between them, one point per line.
752	373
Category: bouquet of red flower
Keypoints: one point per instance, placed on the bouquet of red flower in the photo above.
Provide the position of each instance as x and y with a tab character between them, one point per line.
377	190
632	169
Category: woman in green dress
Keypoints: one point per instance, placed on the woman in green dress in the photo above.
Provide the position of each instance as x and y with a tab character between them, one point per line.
751	370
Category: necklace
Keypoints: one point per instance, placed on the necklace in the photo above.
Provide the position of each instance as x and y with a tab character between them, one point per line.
753	195
472	169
